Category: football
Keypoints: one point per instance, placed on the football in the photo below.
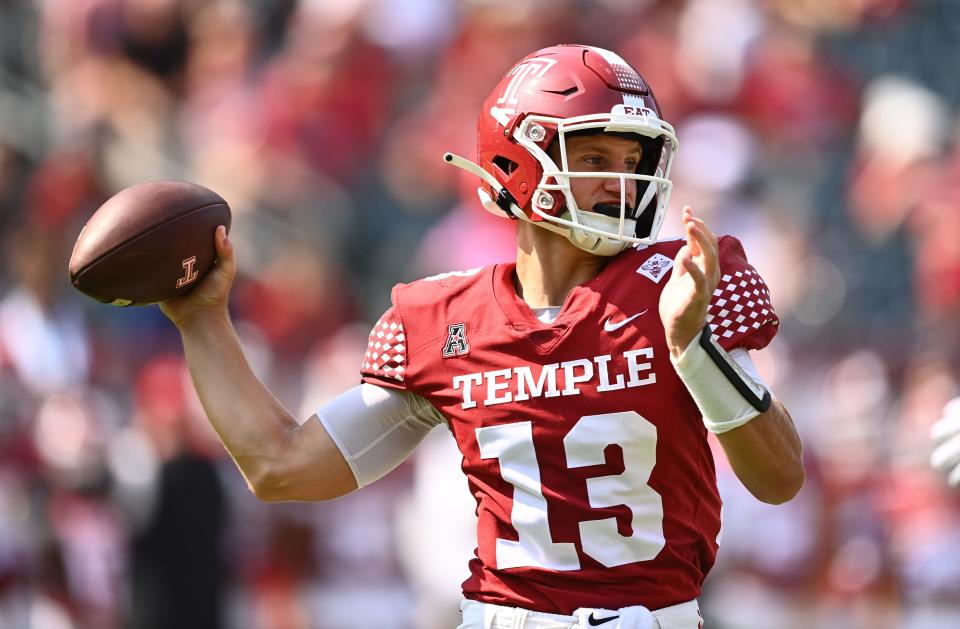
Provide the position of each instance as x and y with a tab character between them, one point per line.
148	243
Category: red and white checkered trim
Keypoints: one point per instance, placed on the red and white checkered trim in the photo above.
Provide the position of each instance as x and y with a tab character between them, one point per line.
740	305
386	350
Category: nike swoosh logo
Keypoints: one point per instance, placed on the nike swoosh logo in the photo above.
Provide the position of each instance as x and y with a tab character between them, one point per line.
610	326
596	621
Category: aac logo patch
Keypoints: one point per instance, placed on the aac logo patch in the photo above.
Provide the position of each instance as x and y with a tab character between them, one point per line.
456	344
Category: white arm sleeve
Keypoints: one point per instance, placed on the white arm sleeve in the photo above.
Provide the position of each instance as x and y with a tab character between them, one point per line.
377	428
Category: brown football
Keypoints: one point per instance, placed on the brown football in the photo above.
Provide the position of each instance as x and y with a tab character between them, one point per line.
148	243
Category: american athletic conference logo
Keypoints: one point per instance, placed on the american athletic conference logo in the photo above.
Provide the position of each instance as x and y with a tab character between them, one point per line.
456	344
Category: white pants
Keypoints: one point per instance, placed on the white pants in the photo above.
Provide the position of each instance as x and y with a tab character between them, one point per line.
478	615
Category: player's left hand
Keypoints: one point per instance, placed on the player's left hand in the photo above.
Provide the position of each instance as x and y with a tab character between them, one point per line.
946	437
696	273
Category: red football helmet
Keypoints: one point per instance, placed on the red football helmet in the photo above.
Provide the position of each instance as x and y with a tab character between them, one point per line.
549	95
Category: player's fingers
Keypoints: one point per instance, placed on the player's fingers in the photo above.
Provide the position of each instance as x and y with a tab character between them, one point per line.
226	266
946	455
678	260
699	279
690	229
947	426
699	222
223	244
220	239
702	224
710	237
700	238
953	478
708	250
952	408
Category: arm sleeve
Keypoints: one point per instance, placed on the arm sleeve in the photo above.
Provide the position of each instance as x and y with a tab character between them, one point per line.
740	312
376	428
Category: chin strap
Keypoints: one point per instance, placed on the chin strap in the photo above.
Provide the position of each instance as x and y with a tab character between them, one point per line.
504	200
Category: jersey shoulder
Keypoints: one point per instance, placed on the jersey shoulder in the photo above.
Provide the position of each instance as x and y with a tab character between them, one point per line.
440	290
741	312
421	313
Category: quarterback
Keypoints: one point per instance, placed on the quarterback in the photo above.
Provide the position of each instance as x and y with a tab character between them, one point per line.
579	382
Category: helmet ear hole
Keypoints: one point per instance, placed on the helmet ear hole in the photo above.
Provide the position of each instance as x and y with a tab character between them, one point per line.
506	166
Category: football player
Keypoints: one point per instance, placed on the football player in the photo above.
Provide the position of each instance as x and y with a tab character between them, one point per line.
580	382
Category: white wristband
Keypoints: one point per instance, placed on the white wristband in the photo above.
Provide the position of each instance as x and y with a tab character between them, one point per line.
725	394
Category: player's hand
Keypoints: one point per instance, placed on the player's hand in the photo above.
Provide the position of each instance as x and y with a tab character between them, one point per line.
946	438
211	294
696	273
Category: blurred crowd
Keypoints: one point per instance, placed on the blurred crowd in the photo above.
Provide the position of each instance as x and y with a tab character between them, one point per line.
823	133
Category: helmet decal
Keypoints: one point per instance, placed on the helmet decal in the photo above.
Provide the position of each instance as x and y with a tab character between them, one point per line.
507	103
633	106
537	67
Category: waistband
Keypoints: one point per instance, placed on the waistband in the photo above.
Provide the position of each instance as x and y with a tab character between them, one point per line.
490	616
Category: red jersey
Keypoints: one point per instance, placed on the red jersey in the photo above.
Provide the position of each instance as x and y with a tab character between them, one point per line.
588	459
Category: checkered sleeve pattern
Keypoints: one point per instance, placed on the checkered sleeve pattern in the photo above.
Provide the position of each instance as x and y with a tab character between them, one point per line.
386	357
740	312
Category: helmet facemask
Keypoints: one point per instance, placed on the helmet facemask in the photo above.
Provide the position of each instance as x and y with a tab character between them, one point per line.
609	229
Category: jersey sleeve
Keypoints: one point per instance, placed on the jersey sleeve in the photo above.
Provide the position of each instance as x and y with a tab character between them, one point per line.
740	312
385	361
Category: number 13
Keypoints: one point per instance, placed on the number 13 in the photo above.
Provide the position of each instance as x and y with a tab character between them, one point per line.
512	444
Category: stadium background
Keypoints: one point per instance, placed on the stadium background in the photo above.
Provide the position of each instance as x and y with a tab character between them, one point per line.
822	132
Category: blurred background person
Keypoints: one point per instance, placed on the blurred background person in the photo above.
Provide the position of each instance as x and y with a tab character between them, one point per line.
167	477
